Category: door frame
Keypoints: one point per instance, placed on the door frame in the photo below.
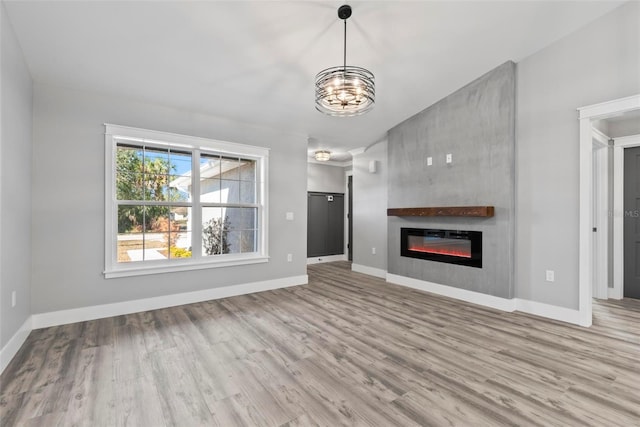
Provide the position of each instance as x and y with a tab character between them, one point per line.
348	215
586	116
619	144
600	264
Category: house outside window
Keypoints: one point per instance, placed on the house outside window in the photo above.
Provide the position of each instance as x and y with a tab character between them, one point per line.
175	202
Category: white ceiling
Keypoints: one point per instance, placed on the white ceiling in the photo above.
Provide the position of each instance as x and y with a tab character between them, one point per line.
255	61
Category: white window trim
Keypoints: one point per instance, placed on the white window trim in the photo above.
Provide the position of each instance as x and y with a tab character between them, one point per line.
113	269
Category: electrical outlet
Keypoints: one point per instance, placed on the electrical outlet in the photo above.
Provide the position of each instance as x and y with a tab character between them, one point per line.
429	161
550	275
289	257
289	216
449	158
373	251
13	299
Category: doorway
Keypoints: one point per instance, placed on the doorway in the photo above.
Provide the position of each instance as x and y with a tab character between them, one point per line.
588	115
325	224
631	219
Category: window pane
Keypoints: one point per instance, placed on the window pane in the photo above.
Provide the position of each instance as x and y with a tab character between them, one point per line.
179	189
138	237
179	181
233	242
210	190
156	161
156	246
156	187
248	170
180	230
209	166
241	218
229	191
129	158
230	168
130	247
215	230
180	245
247	192
179	163
248	241
131	219
129	185
249	218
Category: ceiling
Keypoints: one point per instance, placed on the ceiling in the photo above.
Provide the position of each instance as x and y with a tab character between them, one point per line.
255	61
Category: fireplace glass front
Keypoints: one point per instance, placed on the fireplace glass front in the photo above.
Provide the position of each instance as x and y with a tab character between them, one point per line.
450	246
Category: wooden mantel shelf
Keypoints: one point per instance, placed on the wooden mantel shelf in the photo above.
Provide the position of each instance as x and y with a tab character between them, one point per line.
478	211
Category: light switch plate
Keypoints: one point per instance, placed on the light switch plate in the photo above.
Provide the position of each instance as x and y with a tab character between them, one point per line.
550	275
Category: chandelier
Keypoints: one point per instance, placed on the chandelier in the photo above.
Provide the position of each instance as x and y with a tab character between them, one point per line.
345	91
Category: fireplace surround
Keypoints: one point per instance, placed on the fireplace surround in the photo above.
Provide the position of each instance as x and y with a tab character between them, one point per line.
459	247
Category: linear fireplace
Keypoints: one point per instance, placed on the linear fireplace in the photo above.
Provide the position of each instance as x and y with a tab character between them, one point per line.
450	246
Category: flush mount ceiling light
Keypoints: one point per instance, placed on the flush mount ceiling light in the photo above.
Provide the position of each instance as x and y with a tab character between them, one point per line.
323	155
345	91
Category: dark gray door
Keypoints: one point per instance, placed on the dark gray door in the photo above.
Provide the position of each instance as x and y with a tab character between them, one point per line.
632	222
325	224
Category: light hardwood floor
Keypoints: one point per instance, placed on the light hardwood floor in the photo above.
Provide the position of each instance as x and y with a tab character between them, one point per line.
347	349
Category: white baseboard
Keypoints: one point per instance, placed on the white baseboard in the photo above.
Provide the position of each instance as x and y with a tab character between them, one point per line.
330	258
531	307
549	311
62	317
498	303
13	345
614	293
371	271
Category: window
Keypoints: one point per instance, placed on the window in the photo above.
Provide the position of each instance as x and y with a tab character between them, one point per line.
175	202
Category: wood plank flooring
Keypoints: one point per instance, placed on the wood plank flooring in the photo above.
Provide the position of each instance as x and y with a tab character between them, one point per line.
347	349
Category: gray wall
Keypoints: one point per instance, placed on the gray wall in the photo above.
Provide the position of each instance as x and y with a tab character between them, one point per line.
476	124
370	207
598	63
325	178
15	184
68	199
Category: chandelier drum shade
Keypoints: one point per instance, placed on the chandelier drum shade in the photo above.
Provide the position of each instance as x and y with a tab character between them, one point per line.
345	91
322	155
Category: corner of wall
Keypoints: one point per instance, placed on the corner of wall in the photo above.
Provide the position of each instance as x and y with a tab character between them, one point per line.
16	116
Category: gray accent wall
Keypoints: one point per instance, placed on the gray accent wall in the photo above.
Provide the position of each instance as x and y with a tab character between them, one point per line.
476	125
597	63
370	207
68	199
15	183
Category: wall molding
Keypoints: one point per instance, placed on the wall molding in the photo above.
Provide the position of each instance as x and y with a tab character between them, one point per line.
549	311
13	345
510	305
371	271
329	258
62	317
499	303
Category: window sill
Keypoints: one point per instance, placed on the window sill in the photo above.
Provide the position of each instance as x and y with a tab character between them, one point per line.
174	268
